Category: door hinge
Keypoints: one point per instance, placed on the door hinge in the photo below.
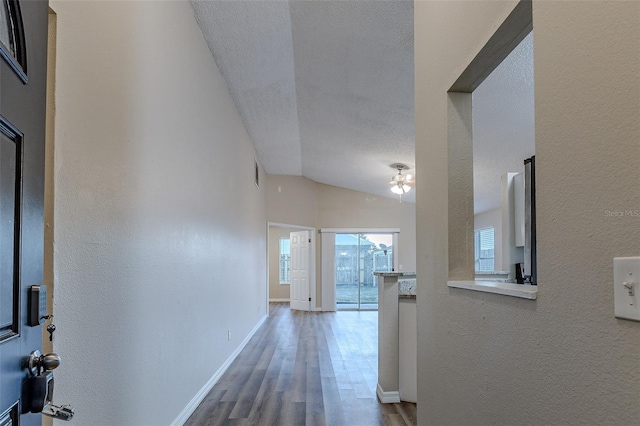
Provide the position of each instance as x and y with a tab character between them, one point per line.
309	299
309	239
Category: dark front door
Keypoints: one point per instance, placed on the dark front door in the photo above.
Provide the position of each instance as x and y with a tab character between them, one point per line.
23	47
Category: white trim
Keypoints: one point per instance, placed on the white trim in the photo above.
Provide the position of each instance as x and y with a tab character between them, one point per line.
287	226
508	289
268	272
396	257
279	300
328	265
360	230
197	399
387	397
312	270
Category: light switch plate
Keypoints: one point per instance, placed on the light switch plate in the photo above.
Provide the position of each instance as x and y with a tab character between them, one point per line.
626	273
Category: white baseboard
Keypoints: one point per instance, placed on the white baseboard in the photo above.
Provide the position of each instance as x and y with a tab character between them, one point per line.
387	397
197	399
279	300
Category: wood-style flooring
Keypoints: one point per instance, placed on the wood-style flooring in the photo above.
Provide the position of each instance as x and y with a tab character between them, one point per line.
303	368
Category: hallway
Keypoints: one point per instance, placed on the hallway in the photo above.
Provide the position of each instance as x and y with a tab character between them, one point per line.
304	369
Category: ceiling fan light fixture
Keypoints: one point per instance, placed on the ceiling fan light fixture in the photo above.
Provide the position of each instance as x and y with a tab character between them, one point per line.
399	182
400	189
397	190
399	178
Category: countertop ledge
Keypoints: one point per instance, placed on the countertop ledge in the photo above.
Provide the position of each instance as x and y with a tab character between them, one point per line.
394	274
508	289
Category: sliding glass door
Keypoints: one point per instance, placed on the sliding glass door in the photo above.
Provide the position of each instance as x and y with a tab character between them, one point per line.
358	256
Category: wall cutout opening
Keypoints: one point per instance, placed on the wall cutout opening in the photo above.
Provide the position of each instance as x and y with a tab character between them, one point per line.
491	147
503	143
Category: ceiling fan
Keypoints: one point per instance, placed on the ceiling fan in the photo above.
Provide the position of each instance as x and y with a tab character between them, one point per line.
400	184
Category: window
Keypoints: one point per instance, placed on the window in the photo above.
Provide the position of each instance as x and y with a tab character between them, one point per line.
12	43
285	260
484	249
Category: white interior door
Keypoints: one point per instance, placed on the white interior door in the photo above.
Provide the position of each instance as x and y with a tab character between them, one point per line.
300	253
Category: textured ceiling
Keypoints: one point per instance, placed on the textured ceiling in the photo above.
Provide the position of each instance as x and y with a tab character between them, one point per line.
325	88
326	91
503	124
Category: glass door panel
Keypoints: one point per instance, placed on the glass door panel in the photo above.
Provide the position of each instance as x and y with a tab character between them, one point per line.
347	271
376	256
357	257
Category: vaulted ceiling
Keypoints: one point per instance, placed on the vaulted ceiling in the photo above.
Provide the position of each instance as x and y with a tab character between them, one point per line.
325	88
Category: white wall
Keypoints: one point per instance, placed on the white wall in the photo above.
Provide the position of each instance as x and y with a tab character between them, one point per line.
492	219
407	350
292	200
563	359
155	258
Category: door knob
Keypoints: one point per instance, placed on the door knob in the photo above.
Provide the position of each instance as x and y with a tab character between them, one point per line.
38	362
